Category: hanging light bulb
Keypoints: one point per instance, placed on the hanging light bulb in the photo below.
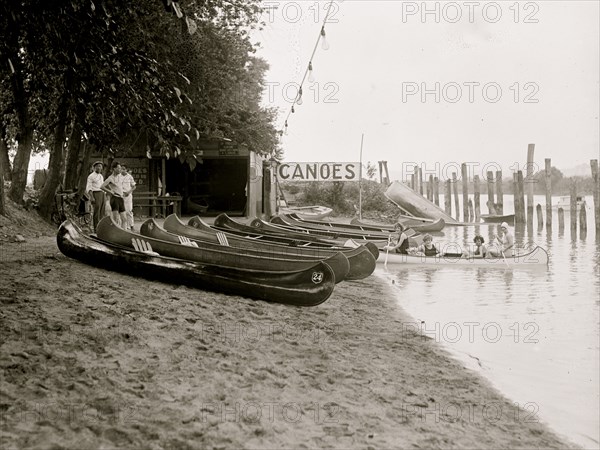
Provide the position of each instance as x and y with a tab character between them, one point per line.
324	43
311	74
286	128
299	99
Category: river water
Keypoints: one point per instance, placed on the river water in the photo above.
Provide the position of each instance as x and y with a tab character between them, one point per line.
534	333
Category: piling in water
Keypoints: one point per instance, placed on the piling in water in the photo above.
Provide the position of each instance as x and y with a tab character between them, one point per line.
596	194
561	220
448	197
465	191
520	200
540	219
573	206
530	180
455	189
548	170
420	181
436	191
490	185
582	219
499	193
471	212
476	197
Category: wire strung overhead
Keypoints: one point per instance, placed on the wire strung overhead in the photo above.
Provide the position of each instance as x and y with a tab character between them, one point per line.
309	69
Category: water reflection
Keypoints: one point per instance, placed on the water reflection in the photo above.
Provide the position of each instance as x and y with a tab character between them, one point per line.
557	307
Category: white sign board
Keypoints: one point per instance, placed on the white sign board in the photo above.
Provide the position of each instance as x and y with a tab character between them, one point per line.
319	171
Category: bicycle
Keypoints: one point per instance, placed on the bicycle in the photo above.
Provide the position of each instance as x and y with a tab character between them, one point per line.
66	207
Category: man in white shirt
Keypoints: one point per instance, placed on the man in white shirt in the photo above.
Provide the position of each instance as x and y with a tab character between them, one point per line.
128	188
94	191
113	185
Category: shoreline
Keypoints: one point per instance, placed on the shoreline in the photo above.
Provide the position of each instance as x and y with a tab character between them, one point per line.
92	358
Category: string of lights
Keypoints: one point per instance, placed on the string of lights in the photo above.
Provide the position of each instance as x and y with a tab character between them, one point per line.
309	70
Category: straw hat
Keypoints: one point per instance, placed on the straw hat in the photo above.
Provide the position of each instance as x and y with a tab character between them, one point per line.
97	162
504	225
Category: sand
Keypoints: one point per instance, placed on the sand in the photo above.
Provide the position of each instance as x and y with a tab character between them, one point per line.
96	359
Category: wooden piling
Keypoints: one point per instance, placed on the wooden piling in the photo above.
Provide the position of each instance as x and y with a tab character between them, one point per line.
471	212
490	185
540	219
430	188
596	194
573	205
465	191
416	178
561	220
476	198
499	193
412	181
520	200
421	181
548	170
455	192
436	191
530	182
582	220
448	197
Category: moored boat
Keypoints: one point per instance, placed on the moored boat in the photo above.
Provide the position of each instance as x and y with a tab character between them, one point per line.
536	258
308	287
497	218
307	212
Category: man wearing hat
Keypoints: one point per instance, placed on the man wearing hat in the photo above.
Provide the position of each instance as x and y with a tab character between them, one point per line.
93	189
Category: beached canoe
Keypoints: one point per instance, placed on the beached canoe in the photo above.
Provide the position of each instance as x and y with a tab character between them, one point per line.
361	258
108	231
495	218
337	261
536	258
307	212
308	287
286	222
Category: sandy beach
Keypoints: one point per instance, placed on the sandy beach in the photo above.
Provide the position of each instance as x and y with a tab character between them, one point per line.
95	359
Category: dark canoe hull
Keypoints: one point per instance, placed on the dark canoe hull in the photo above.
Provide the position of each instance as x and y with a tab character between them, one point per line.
508	218
361	260
296	233
309	287
338	262
109	232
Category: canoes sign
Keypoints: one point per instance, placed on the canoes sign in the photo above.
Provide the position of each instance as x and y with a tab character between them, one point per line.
319	171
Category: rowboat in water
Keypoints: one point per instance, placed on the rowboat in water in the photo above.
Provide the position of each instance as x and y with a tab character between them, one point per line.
337	261
497	218
307	212
307	287
361	260
536	258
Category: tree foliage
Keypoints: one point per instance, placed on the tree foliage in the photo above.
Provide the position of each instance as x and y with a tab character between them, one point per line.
168	72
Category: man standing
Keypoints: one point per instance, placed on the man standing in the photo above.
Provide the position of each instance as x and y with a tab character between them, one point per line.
128	188
113	185
94	191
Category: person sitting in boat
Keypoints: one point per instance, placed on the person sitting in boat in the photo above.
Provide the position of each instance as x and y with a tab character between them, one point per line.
480	250
427	248
399	243
505	243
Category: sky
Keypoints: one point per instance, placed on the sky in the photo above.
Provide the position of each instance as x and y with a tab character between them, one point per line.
468	82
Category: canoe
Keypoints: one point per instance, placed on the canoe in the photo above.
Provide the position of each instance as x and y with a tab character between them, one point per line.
307	212
285	222
415	204
108	231
494	218
337	261
361	259
224	222
536	258
436	226
309	287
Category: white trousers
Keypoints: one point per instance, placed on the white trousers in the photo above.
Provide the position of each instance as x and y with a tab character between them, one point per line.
129	210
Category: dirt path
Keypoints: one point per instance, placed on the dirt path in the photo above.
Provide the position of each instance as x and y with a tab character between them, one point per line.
93	359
